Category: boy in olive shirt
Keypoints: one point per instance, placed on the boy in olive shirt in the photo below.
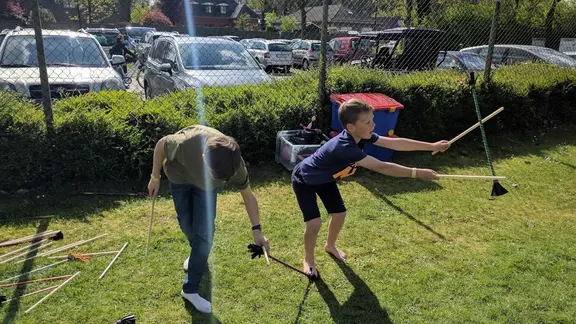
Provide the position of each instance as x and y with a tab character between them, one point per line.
199	160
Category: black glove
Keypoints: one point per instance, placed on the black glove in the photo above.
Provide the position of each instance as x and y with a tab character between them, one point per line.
130	319
256	250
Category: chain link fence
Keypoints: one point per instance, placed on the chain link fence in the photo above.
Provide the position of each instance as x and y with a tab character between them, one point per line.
204	59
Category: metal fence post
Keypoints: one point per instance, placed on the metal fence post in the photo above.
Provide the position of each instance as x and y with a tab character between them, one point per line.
46	100
492	41
324	43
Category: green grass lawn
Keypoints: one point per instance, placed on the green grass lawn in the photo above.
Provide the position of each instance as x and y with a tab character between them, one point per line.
419	252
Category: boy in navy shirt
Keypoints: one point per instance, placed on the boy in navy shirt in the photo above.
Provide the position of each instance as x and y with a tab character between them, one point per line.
339	158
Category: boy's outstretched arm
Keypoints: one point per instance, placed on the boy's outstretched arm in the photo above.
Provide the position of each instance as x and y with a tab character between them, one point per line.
396	170
406	144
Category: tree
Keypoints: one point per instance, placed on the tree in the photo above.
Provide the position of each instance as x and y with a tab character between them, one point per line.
271	18
124	7
288	24
173	9
156	18
138	12
243	22
10	9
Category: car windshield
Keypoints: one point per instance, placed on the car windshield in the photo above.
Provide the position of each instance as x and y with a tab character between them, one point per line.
555	57
471	61
137	32
105	38
20	51
279	47
216	56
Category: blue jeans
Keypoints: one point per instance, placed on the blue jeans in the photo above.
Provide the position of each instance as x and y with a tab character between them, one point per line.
196	210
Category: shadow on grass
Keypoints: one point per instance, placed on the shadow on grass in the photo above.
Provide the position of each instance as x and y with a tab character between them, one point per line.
205	291
361	307
392	186
301	306
14	305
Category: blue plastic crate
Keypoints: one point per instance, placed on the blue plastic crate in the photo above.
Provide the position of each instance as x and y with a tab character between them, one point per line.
386	112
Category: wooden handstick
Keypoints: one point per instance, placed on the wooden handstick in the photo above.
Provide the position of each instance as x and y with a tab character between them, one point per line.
36	292
33	281
35	270
83	254
112	262
65	247
266	255
53	291
22	249
473	127
24	253
150	226
457	176
28	238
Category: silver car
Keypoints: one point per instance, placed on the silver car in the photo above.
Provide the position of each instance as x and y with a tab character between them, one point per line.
144	45
515	54
307	52
179	62
271	54
76	64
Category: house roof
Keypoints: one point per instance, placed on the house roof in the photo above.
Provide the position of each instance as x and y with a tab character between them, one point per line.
341	14
233	9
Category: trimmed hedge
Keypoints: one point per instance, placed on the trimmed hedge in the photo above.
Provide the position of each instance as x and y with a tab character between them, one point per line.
110	136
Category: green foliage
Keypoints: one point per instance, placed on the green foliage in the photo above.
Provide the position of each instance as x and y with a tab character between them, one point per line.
270	18
110	136
288	24
243	22
138	12
439	104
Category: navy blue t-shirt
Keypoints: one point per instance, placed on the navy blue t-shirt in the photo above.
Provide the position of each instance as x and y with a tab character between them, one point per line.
334	160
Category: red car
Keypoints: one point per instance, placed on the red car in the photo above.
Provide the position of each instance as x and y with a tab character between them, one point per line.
344	49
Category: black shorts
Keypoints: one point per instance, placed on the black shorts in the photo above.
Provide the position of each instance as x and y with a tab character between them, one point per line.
306	196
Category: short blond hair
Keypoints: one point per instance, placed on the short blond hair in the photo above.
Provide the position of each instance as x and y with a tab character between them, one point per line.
350	111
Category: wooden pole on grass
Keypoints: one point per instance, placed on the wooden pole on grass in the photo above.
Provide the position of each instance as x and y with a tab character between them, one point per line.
52	292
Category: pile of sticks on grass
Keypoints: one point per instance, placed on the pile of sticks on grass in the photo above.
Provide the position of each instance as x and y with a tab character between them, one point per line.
39	242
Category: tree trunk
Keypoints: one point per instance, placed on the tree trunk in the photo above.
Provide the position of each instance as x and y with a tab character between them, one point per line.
409	8
302	18
124	7
548	24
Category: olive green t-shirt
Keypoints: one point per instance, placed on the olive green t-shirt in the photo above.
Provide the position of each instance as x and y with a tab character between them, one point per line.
184	163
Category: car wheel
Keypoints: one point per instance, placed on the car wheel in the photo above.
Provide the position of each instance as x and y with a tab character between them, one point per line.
287	69
147	92
305	65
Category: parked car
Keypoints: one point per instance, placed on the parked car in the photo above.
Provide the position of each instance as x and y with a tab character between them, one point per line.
76	64
144	45
272	55
105	36
307	52
460	61
515	54
178	62
135	33
345	49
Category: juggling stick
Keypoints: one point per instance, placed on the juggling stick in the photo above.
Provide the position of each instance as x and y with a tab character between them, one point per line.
81	255
52	292
458	176
25	253
112	262
65	247
34	281
35	270
257	251
472	127
150	226
54	235
22	249
4	300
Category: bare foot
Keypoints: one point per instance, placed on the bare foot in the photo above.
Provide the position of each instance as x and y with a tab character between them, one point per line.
306	268
338	254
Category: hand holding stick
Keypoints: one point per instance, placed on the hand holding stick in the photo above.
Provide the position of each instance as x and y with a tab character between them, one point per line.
473	127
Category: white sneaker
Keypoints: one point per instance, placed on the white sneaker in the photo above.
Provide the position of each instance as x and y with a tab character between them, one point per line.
201	304
185	265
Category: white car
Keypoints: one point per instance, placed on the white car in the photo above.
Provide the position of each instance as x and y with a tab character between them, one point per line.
76	64
271	54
